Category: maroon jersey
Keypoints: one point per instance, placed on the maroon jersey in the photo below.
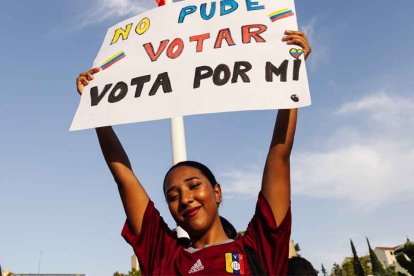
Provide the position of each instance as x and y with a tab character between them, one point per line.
160	252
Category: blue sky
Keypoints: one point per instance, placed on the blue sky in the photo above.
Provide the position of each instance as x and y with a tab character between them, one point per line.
351	166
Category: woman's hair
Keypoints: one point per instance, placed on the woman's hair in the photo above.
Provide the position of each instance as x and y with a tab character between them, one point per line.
194	164
227	226
298	266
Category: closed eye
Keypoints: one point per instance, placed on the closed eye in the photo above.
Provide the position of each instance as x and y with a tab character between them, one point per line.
195	186
172	198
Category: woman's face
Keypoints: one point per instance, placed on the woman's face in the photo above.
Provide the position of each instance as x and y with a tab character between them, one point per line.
192	200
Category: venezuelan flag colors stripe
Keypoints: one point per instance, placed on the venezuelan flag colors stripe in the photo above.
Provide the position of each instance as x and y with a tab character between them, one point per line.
115	58
280	14
229	269
234	263
241	261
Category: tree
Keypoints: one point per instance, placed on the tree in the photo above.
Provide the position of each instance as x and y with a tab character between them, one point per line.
406	257
358	270
297	247
377	268
133	272
336	270
348	266
391	271
323	270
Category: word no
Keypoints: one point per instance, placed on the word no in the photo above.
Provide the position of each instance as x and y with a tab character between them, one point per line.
140	29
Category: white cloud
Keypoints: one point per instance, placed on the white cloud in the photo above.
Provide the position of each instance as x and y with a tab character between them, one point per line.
382	108
367	163
244	183
319	41
101	10
365	176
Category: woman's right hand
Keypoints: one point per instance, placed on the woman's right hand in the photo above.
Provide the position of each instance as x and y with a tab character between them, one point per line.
84	78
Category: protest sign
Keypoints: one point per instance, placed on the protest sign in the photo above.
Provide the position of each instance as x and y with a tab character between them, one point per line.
195	57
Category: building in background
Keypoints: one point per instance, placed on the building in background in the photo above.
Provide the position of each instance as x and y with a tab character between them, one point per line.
386	256
135	263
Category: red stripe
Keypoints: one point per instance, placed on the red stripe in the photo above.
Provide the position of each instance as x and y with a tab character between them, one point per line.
283	16
109	64
241	262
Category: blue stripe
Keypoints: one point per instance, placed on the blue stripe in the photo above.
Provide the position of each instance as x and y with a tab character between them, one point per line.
280	14
115	58
235	258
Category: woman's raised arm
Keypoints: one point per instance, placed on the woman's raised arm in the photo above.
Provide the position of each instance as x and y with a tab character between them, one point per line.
276	174
133	194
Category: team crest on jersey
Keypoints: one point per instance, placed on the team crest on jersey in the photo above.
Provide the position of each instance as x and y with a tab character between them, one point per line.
234	263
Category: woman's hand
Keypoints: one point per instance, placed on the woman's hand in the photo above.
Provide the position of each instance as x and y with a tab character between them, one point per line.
84	78
298	38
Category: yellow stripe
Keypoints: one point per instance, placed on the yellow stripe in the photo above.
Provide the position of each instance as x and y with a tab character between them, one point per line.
112	57
229	259
276	12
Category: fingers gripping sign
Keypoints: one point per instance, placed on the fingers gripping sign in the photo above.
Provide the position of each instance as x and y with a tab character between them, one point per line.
297	38
84	78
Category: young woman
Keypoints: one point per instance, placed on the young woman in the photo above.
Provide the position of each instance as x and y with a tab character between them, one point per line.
193	196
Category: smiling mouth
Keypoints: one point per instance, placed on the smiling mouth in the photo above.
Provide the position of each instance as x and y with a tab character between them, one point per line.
191	212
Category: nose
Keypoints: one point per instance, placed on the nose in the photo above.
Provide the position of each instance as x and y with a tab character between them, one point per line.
186	198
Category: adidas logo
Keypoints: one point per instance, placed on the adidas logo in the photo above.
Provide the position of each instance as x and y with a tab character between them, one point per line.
196	267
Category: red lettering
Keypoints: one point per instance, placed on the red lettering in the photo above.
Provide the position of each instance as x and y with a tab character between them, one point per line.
176	48
200	40
247	33
150	50
224	34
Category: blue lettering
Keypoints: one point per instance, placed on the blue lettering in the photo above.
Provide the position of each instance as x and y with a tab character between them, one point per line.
251	6
228	3
186	11
203	12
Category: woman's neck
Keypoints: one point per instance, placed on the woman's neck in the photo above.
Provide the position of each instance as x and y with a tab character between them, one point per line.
215	235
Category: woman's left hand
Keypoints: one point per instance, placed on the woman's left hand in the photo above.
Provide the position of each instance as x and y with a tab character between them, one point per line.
298	38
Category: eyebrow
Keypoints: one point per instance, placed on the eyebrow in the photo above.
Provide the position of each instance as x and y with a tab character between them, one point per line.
191	178
185	180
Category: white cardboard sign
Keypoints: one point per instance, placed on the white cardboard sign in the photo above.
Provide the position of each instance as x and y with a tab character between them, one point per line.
195	57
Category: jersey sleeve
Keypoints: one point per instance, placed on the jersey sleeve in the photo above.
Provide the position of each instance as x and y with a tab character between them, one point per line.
155	243
269	241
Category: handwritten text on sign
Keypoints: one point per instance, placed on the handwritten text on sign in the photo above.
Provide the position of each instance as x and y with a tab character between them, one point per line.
196	57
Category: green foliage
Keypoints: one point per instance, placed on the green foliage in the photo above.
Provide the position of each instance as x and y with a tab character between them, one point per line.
348	267
336	270
323	270
377	267
390	271
133	272
358	270
406	257
297	248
